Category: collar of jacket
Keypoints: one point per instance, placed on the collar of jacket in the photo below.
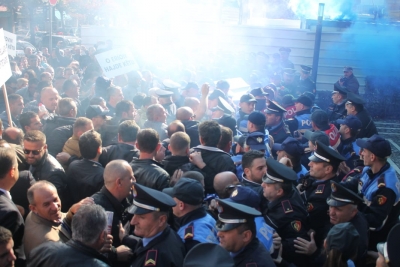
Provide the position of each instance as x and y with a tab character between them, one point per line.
209	148
118	207
87	250
191	216
40	220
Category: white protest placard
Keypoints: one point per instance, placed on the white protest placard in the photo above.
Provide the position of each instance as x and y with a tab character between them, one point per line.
5	69
116	62
11	42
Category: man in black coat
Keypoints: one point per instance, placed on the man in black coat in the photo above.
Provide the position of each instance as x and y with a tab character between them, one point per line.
113	197
125	148
85	176
355	106
148	171
160	246
305	84
43	166
236	222
88	240
67	111
187	116
349	80
207	158
179	147
338	109
10	217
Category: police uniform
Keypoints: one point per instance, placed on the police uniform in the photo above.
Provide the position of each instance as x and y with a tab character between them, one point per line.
173	87
287	215
338	111
226	120
342	196
240	115
279	132
380	191
302	119
368	126
289	87
232	215
306	85
196	226
348	148
261	100
166	247
319	190
390	249
170	108
216	256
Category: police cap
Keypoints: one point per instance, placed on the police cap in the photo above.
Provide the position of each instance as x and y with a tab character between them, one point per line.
342	196
354	99
390	249
256	141
216	256
337	88
170	85
257	118
345	238
326	154
320	136
246	196
247	98
289	71
216	93
224	106
291	146
351	121
187	190
163	93
305	69
274	108
258	92
232	215
278	173
147	200
305	100
378	145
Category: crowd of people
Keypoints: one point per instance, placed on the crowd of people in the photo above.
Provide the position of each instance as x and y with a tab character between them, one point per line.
143	170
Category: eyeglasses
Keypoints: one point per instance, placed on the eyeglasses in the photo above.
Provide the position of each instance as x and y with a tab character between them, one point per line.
34	152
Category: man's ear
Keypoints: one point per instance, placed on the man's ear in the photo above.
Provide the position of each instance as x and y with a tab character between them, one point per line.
137	145
32	208
247	235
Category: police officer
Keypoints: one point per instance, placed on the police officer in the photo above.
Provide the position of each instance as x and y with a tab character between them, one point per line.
285	211
355	106
312	138
194	225
289	83
305	84
247	105
173	87
275	123
389	251
237	234
323	167
320	122
165	99
261	98
379	186
338	109
223	113
160	245
301	120
349	128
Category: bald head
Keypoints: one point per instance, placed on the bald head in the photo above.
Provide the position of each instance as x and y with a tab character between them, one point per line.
13	135
222	180
49	97
115	169
184	113
39	186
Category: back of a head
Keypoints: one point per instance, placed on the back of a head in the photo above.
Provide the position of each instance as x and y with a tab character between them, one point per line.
222	180
88	223
113	170
25	119
138	100
5	236
184	113
128	130
320	118
81	124
68	84
8	160
89	144
174	127
147	140
123	106
152	111
179	142
210	133
226	137
198	176
65	105
13	135
112	90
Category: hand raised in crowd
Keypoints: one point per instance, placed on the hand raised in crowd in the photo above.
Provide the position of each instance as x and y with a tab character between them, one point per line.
160	155
85	201
303	246
287	162
123	230
197	159
107	244
175	177
205	90
124	253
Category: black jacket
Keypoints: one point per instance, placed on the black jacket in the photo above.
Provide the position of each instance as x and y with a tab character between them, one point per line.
192	129
118	151
288	216
150	173
49	169
166	250
84	178
216	161
57	139
56	122
172	163
20	189
254	254
336	112
73	253
368	126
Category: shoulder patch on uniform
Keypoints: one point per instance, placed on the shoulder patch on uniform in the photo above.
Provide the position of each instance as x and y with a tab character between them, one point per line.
381	199
189	232
381	181
251	264
320	189
287	207
151	258
310	207
296	225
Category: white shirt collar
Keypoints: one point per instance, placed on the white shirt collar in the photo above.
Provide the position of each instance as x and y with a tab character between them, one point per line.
6	193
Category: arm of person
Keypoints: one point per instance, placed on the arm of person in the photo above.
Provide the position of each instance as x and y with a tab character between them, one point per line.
205	89
380	207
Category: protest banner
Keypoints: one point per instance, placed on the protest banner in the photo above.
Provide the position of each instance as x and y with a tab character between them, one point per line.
5	71
116	62
11	43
